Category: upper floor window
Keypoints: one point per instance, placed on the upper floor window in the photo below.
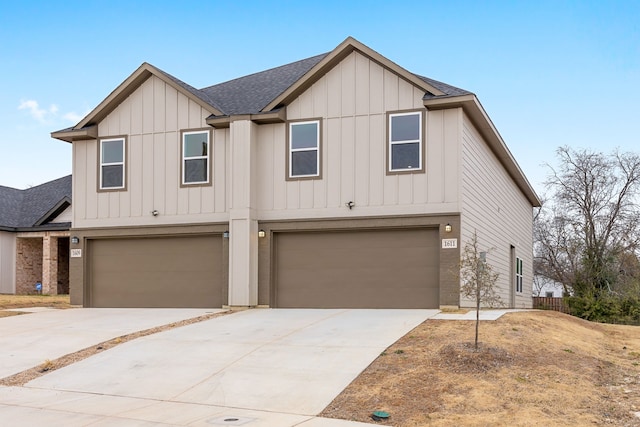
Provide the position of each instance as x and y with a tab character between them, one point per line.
195	157
304	149
405	142
112	163
518	274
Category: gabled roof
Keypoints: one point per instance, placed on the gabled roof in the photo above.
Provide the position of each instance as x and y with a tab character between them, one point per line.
35	207
262	96
250	94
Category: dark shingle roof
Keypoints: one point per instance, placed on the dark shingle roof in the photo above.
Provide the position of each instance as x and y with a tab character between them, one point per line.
250	94
447	89
26	208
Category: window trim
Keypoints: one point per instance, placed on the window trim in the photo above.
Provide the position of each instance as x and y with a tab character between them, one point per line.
519	275
124	163
290	151
420	141
208	157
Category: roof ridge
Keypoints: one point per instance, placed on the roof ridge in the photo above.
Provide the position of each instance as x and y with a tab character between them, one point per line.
265	71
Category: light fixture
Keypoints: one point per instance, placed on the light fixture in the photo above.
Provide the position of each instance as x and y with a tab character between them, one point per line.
350	204
155	212
261	233
225	234
447	228
75	240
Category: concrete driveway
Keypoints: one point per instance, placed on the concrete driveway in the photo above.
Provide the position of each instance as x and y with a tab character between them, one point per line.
261	367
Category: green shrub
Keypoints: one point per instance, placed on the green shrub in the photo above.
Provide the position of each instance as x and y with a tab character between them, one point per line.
606	308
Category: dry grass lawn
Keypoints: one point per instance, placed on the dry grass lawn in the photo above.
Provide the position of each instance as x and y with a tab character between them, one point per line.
25	301
533	369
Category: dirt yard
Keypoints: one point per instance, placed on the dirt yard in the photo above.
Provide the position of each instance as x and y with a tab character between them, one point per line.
25	301
533	369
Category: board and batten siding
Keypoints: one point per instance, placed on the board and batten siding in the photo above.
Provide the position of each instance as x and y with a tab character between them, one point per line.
352	100
494	206
151	118
7	263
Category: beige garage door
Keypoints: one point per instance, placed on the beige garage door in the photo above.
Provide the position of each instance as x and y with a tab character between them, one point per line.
156	272
357	269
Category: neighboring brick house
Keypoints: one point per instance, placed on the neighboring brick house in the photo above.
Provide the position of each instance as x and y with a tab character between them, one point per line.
341	180
34	238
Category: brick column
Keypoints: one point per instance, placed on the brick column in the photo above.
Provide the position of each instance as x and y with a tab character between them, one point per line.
49	265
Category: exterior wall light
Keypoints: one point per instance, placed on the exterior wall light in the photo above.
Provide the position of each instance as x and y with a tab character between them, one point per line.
155	212
261	233
447	228
75	240
225	234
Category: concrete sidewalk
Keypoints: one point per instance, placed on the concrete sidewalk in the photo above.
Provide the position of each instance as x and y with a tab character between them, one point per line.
28	340
261	367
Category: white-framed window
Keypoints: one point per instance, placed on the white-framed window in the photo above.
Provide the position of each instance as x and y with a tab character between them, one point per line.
112	163
195	157
405	142
304	149
518	274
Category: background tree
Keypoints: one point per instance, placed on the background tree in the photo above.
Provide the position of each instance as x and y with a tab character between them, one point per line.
477	279
587	232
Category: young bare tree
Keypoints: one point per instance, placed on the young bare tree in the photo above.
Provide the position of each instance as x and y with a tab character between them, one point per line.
478	279
591	221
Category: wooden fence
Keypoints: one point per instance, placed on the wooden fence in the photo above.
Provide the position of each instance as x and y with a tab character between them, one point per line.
553	303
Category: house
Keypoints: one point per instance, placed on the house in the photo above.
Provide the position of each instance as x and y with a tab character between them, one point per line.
34	238
341	180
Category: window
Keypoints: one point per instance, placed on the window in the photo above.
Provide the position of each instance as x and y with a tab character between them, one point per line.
304	149
518	274
405	142
549	294
195	157
112	157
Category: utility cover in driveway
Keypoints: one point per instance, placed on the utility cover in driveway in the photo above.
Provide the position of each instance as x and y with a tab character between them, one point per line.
177	272
394	268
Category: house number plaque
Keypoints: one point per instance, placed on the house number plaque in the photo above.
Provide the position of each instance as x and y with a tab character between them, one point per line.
449	243
76	253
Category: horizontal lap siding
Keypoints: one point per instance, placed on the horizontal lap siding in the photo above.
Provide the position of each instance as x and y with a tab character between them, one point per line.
493	205
352	99
151	118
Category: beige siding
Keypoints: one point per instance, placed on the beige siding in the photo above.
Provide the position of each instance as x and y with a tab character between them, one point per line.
151	118
65	216
7	263
352	99
493	205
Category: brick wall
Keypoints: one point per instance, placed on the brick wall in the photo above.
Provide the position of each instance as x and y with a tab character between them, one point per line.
28	264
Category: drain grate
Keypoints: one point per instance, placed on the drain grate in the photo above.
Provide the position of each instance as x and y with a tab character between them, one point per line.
230	420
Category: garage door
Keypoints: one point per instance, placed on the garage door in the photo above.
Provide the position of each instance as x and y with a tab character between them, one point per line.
156	272
357	269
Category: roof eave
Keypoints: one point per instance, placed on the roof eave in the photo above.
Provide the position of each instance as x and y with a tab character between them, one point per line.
472	107
334	57
89	132
222	122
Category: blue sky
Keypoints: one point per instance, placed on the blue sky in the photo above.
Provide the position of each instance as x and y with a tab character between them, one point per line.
549	73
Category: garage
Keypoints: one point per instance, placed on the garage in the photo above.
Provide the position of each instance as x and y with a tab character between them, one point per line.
178	272
382	268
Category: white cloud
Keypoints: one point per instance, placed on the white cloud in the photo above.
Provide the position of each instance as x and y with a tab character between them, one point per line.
47	115
34	109
72	117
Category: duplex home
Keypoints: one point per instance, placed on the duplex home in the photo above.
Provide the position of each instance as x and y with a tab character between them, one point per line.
341	180
34	238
